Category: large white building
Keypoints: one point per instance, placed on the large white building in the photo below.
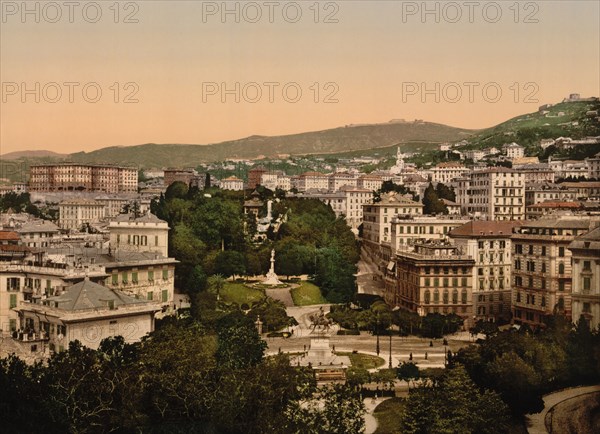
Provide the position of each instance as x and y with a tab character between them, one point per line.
585	296
448	172
232	183
377	217
75	213
495	193
146	233
87	312
312	181
489	244
405	231
513	151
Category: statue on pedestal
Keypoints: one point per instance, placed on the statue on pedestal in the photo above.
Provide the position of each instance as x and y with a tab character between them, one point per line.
272	278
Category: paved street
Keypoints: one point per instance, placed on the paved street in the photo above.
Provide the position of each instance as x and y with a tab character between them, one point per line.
365	342
367	278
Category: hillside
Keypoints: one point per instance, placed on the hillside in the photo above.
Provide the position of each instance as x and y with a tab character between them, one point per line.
343	139
529	129
31	154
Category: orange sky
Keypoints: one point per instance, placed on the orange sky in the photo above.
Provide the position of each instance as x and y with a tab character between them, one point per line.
373	65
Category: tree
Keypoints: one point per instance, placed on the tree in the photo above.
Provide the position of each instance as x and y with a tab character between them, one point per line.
177	190
196	281
339	410
239	344
408	371
432	203
230	263
453	404
289	259
216	283
207	183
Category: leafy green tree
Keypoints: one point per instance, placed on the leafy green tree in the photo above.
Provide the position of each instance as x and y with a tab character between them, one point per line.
196	281
339	410
239	344
432	203
454	404
408	371
177	190
230	263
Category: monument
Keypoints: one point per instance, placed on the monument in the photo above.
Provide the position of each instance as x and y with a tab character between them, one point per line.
328	366
272	278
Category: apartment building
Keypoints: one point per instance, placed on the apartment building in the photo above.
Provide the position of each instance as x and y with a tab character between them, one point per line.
83	177
75	213
370	182
542	269
435	278
585	295
146	233
448	172
377	216
545	191
338	180
405	231
496	193
313	181
232	183
593	166
489	244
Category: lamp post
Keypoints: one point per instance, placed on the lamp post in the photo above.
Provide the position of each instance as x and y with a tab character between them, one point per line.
390	361
377	333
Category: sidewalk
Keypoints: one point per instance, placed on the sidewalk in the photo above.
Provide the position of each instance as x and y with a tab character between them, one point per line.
536	423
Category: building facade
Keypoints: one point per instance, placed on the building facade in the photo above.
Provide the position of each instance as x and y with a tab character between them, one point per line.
585	296
496	193
489	244
83	177
435	278
75	213
542	270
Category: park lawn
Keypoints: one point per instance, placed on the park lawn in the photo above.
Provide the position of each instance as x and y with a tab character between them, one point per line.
363	361
388	416
306	294
240	293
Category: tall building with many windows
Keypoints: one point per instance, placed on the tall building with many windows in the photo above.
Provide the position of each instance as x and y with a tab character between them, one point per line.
542	270
496	193
83	177
585	296
489	244
435	278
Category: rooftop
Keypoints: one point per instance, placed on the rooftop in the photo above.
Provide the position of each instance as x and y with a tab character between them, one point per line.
485	228
87	295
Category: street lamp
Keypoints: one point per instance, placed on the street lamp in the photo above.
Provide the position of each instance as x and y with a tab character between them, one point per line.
390	361
377	333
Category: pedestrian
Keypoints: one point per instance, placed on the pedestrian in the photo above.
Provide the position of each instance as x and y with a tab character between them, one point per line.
410	356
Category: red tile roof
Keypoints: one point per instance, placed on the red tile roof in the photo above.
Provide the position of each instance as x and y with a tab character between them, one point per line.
9	236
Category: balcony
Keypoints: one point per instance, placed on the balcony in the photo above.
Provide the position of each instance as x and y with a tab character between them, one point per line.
30	336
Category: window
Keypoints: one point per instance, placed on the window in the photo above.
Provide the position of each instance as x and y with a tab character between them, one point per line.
519	248
445	282
480	271
436	296
530	249
13	284
518	297
134	277
587	308
561	285
427	296
561	268
543	281
587	266
455	296
427	281
165	295
518	281
13	301
151	275
543	267
150	295
124	277
530	282
481	288
111	304
543	250
543	301
587	284
561	303
446	297
464	296
464	281
436	282
115	279
165	274
561	252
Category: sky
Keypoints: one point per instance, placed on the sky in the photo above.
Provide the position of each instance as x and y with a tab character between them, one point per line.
78	76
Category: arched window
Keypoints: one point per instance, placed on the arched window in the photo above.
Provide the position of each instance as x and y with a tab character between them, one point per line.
455	296
427	296
561	268
436	296
446	296
464	296
561	303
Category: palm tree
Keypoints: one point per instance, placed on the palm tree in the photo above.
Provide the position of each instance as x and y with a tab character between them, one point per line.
216	282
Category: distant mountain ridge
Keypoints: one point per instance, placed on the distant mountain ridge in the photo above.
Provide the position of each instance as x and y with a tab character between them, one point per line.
32	154
348	138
